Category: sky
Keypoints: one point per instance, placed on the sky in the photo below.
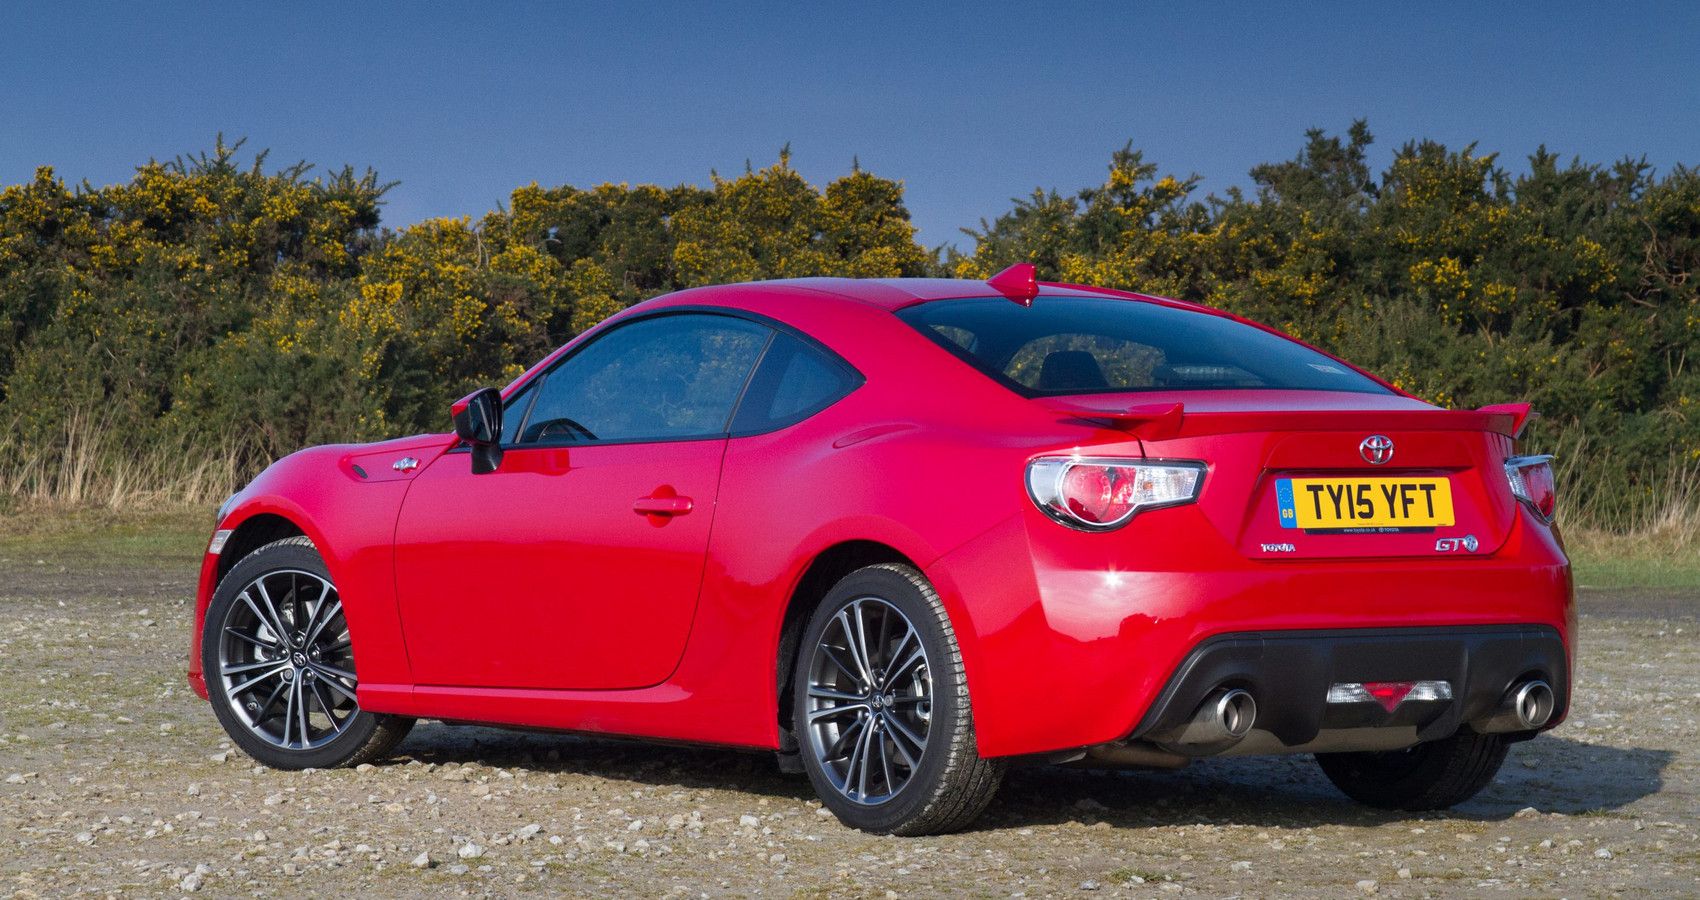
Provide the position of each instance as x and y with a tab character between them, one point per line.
968	104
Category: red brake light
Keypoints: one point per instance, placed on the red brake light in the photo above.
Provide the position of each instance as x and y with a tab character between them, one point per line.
1098	494
1532	482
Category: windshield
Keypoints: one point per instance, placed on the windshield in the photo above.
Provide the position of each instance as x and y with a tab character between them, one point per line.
1087	345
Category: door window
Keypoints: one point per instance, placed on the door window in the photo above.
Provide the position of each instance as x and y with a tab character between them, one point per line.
670	377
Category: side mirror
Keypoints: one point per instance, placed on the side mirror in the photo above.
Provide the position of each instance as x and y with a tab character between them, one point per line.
478	422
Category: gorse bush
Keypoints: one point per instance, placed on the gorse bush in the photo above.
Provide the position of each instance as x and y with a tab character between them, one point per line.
215	308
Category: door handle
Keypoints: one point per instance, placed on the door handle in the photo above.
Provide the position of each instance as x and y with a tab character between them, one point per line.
662	506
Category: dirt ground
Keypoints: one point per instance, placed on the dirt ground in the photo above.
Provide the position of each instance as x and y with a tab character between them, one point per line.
115	779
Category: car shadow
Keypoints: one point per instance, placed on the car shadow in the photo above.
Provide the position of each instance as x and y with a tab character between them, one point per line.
1552	774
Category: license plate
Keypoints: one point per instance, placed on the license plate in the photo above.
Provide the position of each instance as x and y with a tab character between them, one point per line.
1357	505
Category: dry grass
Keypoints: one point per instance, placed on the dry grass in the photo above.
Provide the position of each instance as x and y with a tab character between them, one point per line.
89	481
1621	537
87	466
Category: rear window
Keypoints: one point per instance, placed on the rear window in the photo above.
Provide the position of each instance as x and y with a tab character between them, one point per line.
1085	345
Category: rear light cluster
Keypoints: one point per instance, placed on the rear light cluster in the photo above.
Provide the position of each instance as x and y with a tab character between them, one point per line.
1099	493
1532	482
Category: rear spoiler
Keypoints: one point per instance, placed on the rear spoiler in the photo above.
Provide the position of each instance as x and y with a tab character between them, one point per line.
1161	421
1148	421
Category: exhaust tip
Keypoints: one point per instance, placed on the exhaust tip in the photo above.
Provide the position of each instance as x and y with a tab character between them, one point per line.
1533	703
1527	706
1235	712
1225	716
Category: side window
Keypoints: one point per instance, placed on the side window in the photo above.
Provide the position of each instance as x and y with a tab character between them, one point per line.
513	412
795	381
665	378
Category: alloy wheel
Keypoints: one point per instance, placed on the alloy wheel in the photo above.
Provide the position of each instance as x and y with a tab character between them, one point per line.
286	661
869	704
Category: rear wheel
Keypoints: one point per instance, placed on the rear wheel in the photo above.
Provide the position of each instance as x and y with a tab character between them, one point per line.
881	708
279	664
1431	775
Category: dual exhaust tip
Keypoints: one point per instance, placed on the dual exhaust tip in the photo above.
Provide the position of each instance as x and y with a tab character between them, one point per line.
1229	714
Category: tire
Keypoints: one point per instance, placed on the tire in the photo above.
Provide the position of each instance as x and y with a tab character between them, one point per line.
915	719
276	588
1432	775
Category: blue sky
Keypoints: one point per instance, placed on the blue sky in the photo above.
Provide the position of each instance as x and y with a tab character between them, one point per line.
968	104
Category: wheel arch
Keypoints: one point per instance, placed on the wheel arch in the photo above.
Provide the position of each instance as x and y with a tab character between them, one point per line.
826	569
255	532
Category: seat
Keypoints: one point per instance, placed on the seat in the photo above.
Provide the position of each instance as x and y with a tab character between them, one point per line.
1071	370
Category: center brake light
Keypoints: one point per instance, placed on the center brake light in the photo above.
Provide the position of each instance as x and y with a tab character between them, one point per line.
1103	493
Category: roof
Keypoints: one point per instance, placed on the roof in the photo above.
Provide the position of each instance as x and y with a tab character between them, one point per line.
896	293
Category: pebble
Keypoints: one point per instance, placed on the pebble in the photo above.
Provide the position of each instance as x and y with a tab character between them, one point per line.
748	821
422	861
1368	886
469	850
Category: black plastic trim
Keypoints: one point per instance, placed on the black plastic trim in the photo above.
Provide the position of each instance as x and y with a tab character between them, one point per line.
1289	673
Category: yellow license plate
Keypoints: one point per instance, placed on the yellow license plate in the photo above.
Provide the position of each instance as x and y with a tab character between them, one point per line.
1364	504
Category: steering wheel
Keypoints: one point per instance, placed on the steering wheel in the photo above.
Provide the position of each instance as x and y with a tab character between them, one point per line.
562	427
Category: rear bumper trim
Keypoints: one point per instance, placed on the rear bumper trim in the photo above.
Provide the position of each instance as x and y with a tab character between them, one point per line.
1290	673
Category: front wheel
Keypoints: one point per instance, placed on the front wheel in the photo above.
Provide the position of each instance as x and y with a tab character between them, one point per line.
279	664
881	708
1431	775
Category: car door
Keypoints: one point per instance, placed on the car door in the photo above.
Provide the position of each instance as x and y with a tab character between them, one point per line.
577	563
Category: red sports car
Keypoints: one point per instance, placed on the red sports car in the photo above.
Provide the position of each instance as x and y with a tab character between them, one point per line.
907	533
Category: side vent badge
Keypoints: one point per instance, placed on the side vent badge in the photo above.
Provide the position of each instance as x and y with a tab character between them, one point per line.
405	464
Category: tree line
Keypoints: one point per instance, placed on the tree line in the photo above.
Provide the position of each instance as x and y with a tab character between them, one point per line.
216	304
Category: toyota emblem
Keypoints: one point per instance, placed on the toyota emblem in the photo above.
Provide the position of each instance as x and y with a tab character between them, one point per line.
1376	449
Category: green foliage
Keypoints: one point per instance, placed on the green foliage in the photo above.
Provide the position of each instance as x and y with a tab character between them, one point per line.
213	303
227	307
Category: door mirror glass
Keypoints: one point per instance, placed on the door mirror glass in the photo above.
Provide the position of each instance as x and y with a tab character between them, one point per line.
478	422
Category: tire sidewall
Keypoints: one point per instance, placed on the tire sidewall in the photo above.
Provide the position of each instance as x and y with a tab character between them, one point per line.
272	557
893	588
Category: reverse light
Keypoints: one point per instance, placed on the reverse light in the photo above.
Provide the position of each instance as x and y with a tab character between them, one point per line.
1101	493
1532	482
1389	694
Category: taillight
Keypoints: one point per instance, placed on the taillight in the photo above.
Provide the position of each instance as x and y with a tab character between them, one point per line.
1532	482
1098	493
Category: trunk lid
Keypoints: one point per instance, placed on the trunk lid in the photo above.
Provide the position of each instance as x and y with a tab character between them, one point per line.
1297	476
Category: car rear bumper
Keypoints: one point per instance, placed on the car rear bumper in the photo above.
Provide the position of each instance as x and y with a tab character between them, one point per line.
1071	641
1290	674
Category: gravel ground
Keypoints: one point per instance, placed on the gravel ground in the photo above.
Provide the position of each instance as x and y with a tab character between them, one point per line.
115	779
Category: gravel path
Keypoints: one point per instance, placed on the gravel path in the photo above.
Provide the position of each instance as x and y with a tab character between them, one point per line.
115	779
